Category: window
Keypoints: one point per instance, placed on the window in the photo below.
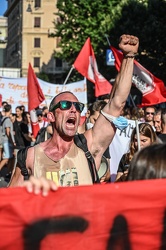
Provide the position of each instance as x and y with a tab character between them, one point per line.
37	3
37	42
37	22
58	63
36	62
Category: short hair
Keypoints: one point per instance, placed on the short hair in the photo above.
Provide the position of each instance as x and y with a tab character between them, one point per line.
44	108
4	102
148	163
103	97
96	106
7	108
158	111
153	107
52	103
163	116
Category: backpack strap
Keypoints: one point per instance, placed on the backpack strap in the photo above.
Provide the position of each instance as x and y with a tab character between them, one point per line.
81	142
4	120
21	160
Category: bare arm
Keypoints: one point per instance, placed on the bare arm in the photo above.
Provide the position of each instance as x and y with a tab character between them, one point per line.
17	178
101	135
9	135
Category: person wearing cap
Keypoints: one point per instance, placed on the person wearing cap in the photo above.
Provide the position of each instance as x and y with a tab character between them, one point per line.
59	154
42	122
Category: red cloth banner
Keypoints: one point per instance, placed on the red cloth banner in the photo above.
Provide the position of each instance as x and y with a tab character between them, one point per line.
153	89
86	65
114	216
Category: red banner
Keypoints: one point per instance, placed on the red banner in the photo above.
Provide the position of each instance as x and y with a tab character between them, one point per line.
112	216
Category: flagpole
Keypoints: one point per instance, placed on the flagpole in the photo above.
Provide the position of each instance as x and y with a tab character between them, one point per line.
107	40
67	77
136	125
115	83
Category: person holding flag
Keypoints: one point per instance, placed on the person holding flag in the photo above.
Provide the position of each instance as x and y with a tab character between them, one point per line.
59	155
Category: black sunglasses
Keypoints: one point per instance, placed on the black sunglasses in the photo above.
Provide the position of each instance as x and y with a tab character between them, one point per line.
149	113
65	105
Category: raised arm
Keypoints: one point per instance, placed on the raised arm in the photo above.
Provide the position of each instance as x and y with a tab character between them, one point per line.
101	135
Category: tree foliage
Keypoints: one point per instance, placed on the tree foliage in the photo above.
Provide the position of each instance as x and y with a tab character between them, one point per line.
78	20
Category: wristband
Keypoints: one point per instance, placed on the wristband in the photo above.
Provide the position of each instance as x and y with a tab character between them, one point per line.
119	122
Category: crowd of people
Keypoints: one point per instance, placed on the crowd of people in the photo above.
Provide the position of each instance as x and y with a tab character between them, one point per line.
16	133
58	160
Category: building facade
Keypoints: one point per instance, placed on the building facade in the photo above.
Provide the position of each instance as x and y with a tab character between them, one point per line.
29	25
3	40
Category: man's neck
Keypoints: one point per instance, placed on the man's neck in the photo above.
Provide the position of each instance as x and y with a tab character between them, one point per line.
57	147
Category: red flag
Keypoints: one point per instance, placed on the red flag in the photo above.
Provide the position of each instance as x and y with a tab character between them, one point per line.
153	89
35	94
86	65
35	97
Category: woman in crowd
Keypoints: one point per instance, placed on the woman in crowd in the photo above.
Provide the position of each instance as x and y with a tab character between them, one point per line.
148	163
147	137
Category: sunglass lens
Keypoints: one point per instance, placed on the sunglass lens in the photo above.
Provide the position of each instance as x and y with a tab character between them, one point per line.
65	104
79	106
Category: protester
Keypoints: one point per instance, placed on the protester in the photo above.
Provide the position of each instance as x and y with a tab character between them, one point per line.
147	137
17	130
162	135
12	117
59	153
45	111
126	112
149	114
41	121
2	113
157	121
27	138
148	163
8	142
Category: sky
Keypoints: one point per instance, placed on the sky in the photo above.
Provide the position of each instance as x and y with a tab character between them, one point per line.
3	7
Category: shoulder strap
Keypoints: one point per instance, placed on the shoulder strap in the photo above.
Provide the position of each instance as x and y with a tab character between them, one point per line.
81	142
21	160
4	120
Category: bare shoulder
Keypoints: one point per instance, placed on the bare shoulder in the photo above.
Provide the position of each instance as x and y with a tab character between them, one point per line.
17	178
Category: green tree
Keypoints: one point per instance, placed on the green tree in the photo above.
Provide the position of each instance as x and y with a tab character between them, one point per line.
145	19
78	20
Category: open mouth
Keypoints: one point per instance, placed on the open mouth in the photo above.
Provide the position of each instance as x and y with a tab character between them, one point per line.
71	122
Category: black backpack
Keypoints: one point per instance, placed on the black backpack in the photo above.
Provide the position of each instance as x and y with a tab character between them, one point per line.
80	141
42	135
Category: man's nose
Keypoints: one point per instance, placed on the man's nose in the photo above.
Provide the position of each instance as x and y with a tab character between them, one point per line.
73	108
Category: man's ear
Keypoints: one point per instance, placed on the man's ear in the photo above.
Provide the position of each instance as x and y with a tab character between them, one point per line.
50	117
